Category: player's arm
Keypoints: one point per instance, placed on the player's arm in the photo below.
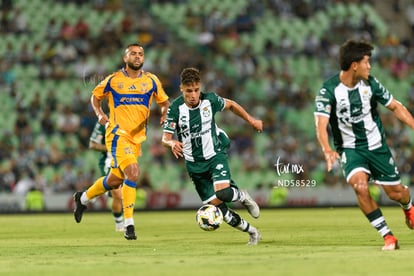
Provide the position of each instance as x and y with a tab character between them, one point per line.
242	113
164	108
401	112
321	123
175	145
97	146
96	105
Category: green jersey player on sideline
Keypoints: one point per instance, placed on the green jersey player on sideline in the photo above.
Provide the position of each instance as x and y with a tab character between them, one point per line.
204	148
347	102
97	142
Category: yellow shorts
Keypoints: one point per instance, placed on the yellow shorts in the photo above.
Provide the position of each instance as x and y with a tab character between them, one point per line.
123	153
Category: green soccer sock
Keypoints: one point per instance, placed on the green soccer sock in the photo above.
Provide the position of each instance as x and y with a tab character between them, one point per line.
377	220
407	206
118	217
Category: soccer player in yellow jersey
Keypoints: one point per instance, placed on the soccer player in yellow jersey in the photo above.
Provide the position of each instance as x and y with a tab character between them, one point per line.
130	92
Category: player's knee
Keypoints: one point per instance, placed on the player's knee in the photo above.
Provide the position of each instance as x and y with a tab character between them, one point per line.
225	194
361	188
131	175
113	181
131	172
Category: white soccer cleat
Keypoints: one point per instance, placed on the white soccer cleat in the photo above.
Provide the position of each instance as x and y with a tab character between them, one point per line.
119	227
255	237
250	205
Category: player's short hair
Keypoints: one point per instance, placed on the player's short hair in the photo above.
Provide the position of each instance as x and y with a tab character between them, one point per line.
190	75
353	51
131	45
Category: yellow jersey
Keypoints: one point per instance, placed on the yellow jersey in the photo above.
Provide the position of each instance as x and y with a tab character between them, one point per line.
129	102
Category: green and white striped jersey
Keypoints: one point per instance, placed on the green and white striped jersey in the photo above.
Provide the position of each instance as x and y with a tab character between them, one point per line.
196	127
352	112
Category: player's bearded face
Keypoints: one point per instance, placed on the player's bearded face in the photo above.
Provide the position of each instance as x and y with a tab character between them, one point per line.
135	65
134	57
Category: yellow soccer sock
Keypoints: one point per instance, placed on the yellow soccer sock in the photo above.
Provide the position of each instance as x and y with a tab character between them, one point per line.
129	193
96	189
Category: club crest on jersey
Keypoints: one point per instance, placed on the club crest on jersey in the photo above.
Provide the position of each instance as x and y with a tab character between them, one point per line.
366	95
120	85
206	112
143	87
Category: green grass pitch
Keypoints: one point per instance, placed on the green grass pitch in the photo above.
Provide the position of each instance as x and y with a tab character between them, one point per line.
323	241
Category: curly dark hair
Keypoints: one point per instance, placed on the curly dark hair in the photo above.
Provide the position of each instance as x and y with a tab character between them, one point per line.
190	75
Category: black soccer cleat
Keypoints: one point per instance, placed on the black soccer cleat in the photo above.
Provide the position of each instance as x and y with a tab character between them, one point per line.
79	207
129	233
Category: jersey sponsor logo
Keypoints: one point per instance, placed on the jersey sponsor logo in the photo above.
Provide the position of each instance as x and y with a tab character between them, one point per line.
199	134
183	126
356	110
171	125
183	119
219	167
356	119
320	106
321	99
131	100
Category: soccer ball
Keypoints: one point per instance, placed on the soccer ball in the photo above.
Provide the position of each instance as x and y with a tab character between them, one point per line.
209	217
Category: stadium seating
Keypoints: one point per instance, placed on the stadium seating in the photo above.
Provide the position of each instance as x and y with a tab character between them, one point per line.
174	15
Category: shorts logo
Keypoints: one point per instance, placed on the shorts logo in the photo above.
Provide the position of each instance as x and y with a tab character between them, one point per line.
128	150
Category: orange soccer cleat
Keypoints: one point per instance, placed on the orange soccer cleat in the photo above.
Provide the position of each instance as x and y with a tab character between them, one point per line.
390	243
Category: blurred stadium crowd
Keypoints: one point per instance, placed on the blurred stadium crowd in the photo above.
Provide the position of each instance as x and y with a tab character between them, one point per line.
271	56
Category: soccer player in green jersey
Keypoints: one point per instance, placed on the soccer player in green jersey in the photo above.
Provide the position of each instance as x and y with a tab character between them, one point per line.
347	102
204	148
97	142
